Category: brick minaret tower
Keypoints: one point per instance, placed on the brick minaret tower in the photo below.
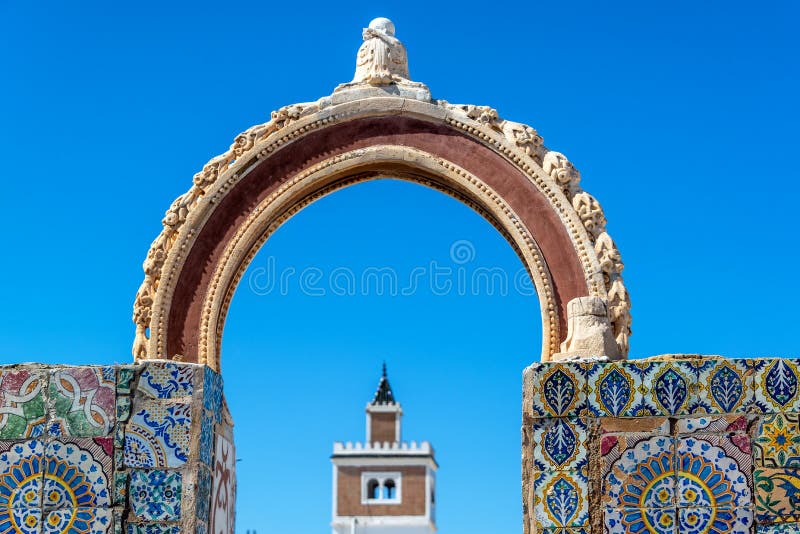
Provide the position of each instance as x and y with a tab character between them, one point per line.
385	485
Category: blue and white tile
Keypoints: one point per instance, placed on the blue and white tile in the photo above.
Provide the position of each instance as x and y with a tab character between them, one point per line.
155	495
558	389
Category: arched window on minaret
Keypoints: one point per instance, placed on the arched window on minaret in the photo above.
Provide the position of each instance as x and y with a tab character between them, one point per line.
389	490
373	489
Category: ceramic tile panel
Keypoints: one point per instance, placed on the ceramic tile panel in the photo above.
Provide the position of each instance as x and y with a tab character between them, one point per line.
777	495
158	435
613	390
666	387
82	401
78	521
206	443
638	520
558	389
212	393
713	424
776	385
21	520
155	495
777	440
712	472
566	530
560	443
723	386
22	403
784	528
21	476
638	474
167	380
77	474
153	528
126	379
561	499
203	494
702	520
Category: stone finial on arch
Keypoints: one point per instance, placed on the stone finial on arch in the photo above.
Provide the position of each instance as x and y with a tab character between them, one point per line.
370	128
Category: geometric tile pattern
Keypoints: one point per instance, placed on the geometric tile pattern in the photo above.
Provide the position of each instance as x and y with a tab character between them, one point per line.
666	445
82	401
22	405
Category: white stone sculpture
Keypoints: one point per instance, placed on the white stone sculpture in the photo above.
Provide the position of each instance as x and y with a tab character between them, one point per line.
382	58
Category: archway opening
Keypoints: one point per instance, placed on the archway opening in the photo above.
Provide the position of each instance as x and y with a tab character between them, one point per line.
391	271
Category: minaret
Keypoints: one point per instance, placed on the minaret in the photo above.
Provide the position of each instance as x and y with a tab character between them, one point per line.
384	485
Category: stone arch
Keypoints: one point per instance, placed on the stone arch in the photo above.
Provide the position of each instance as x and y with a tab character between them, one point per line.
499	168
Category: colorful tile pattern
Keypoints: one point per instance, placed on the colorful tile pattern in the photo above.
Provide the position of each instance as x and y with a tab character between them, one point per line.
82	401
777	495
776	385
21	467
558	389
561	499
76	475
158	435
155	495
695	445
561	442
777	443
22	404
167	380
78	521
212	393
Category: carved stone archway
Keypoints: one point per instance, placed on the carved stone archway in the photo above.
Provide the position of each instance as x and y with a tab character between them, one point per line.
380	125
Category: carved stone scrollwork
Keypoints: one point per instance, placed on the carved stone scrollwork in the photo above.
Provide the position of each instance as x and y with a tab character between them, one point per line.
563	173
590	212
527	139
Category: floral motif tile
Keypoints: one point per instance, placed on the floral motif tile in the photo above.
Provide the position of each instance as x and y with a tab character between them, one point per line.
82	401
700	520
561	499
206	444
777	496
712	472
666	387
77	475
212	393
558	389
560	443
155	495
641	476
166	380
613	390
22	405
777	441
78	521
638	520
158	435
723	386
201	528
776	385
21	469
203	493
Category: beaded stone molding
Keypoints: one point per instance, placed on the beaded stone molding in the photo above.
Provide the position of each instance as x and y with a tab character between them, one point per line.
580	215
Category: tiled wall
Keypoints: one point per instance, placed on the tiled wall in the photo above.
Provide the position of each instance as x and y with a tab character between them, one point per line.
113	449
694	445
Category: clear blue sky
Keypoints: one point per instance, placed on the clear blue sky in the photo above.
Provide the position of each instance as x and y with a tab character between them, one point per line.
682	117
